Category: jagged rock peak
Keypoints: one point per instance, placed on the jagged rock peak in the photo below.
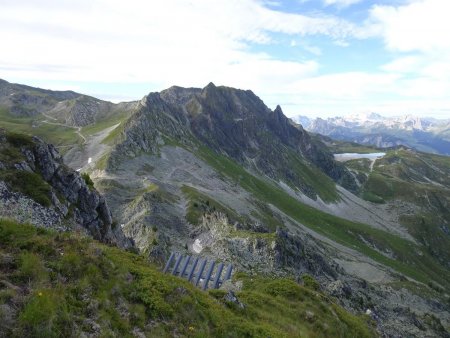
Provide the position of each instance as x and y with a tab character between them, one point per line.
278	110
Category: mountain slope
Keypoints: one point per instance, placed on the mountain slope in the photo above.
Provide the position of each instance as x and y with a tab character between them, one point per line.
60	285
214	172
420	184
66	107
238	124
184	156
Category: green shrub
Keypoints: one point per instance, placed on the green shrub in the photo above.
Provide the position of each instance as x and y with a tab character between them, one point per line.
11	155
19	140
45	315
284	288
31	267
310	282
137	315
71	265
13	234
88	180
217	293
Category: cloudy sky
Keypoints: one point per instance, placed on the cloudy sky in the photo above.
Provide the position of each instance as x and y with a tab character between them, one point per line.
313	57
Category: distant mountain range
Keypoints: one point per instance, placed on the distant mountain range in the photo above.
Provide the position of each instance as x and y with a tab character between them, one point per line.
424	134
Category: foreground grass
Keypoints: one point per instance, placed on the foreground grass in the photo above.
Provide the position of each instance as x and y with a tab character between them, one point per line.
63	284
410	259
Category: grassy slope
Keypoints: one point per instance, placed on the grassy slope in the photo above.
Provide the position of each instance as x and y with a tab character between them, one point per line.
57	135
400	176
200	204
314	177
338	147
62	283
410	258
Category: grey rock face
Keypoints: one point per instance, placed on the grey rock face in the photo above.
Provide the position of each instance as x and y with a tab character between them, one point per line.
232	122
297	253
279	253
88	208
24	210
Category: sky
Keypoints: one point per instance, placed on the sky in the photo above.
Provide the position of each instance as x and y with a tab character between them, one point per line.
313	57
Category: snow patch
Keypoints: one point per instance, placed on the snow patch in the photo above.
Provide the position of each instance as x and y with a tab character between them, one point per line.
353	156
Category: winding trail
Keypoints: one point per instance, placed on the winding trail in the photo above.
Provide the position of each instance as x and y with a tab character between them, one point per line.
372	163
77	129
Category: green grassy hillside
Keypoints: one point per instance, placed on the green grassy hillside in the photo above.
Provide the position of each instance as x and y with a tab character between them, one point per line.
62	284
411	259
420	180
56	134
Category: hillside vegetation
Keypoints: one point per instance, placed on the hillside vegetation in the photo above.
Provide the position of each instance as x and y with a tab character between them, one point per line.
419	181
63	284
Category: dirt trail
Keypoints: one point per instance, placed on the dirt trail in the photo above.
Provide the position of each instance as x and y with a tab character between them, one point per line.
372	163
77	129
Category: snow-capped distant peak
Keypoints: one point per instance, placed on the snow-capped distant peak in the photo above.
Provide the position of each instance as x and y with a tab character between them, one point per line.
363	117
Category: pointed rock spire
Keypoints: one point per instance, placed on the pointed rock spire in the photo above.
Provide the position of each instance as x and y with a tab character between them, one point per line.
278	110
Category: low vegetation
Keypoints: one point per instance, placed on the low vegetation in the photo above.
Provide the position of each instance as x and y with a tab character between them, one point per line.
25	182
29	184
87	179
199	204
62	284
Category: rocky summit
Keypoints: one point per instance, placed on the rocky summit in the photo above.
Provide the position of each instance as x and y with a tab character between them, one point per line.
214	173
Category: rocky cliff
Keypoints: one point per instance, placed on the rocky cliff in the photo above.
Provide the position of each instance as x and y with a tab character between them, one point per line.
36	187
236	123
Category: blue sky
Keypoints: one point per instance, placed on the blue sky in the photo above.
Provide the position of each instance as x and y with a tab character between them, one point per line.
313	57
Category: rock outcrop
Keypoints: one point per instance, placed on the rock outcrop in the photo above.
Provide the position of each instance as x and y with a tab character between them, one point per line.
61	197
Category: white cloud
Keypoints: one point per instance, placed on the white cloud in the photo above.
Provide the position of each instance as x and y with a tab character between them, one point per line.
341	3
163	42
190	43
407	64
418	26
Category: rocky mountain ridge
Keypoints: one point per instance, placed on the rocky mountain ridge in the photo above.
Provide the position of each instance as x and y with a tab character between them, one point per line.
424	134
65	107
235	123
